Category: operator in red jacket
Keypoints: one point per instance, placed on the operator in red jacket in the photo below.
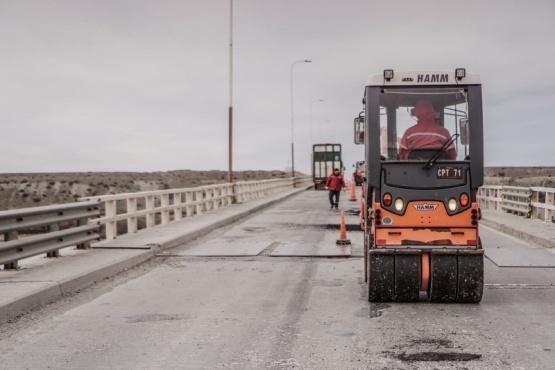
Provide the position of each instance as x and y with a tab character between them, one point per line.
335	183
426	134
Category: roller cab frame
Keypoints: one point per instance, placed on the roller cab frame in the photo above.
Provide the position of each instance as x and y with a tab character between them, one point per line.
420	214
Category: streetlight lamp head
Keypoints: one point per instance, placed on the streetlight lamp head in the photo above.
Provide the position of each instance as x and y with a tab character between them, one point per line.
308	61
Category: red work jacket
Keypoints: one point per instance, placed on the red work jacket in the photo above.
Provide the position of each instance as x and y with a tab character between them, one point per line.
426	134
335	182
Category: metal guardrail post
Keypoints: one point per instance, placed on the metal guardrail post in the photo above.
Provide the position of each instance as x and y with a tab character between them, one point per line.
11	235
49	219
54	253
16	250
85	245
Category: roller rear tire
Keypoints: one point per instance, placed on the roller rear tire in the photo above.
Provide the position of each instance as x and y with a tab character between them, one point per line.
471	277
381	277
407	276
443	276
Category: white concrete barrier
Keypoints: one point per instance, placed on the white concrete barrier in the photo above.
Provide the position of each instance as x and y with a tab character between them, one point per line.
161	207
531	202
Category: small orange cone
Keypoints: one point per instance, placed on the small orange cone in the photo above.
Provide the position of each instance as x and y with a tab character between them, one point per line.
343	232
353	197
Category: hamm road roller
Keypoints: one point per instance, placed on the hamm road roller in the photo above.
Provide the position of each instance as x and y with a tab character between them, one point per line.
423	138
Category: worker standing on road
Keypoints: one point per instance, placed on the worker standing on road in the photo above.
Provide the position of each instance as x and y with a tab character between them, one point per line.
335	183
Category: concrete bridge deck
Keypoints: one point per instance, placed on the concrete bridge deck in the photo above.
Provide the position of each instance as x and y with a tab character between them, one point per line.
320	301
42	281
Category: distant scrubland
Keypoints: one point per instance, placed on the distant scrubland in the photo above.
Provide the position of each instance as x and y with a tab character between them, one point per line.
520	176
22	190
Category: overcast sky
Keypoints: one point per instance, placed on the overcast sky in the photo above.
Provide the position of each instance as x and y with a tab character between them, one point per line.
143	85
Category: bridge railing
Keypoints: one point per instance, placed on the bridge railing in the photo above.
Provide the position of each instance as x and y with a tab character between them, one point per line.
130	212
32	231
53	227
530	202
249	190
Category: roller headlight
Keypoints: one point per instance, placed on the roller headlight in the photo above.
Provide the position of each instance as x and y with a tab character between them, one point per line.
452	204
399	204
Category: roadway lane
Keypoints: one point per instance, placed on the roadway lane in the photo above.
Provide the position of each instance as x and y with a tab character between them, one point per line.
264	312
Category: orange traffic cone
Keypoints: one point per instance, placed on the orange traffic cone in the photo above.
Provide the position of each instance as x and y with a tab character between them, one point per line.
353	197
343	232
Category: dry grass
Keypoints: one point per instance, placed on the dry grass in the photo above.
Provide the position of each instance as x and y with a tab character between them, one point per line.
22	190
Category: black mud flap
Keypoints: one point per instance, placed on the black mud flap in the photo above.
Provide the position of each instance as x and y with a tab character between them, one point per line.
407	275
471	276
381	276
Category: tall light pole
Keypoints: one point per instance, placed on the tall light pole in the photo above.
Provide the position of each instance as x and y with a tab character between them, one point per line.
230	137
292	119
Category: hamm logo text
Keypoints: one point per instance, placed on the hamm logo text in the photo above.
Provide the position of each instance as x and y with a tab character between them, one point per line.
425	207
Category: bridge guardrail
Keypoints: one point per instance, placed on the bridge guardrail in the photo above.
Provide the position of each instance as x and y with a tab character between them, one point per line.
164	206
530	202
249	190
517	200
84	221
167	205
74	217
